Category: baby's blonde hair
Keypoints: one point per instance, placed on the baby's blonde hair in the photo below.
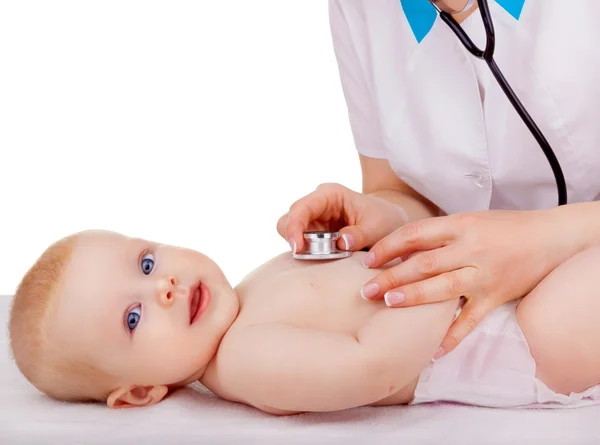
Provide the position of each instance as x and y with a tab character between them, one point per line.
41	361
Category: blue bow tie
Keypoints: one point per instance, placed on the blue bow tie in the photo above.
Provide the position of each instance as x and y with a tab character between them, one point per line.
421	14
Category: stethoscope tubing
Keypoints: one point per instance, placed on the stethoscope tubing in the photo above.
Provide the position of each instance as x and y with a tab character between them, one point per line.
487	55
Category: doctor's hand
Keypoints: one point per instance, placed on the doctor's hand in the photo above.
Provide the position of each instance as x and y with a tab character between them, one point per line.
489	258
361	219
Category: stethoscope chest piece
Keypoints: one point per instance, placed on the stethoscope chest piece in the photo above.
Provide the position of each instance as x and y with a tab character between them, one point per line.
321	246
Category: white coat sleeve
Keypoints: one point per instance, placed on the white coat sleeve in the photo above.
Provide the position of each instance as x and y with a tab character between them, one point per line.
362	112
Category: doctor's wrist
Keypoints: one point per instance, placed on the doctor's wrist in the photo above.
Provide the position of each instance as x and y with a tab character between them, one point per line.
410	208
576	226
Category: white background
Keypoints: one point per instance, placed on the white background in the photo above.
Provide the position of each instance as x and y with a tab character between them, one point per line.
194	123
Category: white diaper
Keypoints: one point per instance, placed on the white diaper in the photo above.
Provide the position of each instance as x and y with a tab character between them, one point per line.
493	367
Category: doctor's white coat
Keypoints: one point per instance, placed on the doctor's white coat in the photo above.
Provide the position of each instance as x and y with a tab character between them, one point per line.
418	98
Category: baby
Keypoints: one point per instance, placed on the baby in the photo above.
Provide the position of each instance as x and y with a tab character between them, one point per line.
105	317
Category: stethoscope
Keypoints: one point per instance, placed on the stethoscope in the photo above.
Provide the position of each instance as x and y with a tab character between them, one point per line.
487	54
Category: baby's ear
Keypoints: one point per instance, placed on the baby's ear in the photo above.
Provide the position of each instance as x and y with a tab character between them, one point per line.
132	396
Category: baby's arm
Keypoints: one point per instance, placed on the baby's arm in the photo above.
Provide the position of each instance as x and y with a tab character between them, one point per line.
280	367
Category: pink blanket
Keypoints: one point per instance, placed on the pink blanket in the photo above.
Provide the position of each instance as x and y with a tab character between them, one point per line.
194	416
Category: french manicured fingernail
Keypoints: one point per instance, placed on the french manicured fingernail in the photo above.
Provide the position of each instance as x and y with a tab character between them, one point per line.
439	353
393	298
292	245
369	259
369	291
348	241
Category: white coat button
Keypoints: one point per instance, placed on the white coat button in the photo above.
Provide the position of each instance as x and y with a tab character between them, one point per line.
481	179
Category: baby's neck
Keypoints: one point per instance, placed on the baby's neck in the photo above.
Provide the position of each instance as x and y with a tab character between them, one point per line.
197	376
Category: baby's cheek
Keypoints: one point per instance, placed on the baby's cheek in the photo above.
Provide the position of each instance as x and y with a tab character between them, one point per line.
166	360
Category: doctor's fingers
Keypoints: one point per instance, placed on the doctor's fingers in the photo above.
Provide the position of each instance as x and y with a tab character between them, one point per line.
442	287
282	224
356	237
425	234
323	205
420	266
314	225
471	314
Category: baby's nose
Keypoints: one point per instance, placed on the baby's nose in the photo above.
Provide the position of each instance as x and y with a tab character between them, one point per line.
166	290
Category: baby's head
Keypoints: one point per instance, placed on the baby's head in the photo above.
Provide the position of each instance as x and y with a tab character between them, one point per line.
104	317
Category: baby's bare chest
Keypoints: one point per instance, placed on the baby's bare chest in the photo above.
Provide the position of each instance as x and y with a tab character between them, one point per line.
316	295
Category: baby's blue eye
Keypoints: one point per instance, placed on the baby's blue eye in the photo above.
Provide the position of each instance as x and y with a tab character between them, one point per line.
147	263
133	317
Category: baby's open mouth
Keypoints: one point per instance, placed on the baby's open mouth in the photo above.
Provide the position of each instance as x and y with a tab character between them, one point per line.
199	299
